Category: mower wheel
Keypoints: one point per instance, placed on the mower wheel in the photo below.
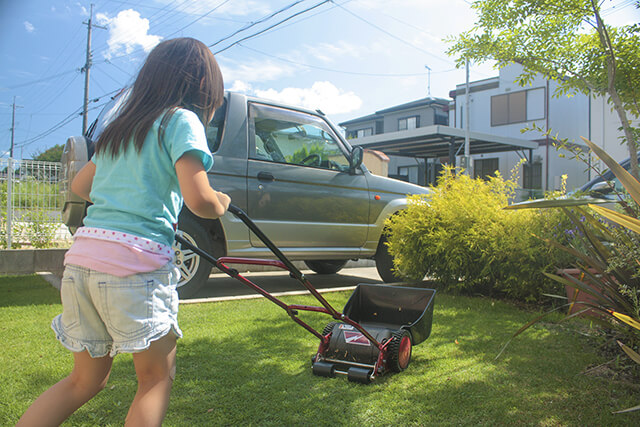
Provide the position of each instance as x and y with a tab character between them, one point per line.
359	375
324	369
399	354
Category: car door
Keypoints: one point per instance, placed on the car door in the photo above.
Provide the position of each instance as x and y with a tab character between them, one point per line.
300	189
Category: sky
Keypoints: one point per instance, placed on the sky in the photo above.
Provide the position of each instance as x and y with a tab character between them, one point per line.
348	58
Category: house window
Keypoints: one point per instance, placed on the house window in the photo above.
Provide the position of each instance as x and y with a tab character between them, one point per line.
517	107
532	176
364	132
440	119
408	123
410	172
484	168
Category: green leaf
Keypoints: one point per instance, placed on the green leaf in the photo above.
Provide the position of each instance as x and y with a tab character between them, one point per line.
557	203
622	219
635	408
632	354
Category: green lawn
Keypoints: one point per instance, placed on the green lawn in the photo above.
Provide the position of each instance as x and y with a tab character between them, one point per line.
246	363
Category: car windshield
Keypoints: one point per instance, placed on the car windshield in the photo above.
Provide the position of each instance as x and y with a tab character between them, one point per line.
109	112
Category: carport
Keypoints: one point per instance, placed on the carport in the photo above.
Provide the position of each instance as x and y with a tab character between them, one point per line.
439	141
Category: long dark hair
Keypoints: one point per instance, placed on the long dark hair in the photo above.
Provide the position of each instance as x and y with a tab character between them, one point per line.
178	73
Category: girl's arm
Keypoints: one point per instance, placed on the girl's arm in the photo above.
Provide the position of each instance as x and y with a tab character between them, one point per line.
198	195
81	184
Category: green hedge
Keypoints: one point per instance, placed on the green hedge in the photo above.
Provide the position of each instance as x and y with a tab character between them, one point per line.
461	236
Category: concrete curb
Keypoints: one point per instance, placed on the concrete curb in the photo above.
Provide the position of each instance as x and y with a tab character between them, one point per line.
257	296
54	277
30	261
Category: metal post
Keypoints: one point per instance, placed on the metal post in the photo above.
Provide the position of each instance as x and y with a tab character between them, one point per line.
466	162
9	200
85	69
13	126
428	80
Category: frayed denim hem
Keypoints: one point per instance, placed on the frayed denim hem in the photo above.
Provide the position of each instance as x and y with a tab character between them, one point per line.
94	348
142	344
101	348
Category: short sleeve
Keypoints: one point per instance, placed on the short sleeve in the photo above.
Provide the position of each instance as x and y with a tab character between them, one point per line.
185	133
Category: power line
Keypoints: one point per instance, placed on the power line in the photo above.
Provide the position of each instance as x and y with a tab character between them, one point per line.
44	79
390	34
200	17
355	73
259	21
274	25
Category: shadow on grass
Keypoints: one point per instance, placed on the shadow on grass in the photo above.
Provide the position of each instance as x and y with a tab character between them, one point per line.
26	290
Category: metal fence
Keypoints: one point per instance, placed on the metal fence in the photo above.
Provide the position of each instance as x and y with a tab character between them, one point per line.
30	202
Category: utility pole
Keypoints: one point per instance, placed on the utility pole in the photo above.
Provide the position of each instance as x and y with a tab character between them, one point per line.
85	70
13	126
428	80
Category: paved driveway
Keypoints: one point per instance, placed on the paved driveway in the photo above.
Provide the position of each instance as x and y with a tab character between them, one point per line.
220	286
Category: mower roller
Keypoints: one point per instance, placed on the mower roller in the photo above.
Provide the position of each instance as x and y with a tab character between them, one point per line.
373	335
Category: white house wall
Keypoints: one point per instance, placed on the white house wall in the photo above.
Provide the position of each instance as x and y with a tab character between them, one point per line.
568	117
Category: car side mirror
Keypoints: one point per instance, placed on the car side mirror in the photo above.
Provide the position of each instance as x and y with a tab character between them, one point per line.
602	188
357	155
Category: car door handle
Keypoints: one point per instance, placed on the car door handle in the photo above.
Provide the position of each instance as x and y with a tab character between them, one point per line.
266	177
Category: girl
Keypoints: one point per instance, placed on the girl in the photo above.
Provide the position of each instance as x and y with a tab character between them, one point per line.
119	285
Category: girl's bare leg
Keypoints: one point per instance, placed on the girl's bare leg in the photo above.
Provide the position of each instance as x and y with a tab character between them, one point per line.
55	405
155	368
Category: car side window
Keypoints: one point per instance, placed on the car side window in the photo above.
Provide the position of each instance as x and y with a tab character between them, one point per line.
296	138
216	126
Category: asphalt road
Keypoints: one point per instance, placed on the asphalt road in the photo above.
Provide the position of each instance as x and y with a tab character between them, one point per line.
221	287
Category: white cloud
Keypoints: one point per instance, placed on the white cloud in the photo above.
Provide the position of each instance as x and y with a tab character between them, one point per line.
127	31
322	95
29	27
256	71
240	86
334	52
83	10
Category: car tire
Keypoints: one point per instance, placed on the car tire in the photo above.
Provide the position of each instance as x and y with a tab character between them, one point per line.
384	263
326	266
194	271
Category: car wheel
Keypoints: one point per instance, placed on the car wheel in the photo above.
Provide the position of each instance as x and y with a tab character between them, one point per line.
326	266
194	271
384	263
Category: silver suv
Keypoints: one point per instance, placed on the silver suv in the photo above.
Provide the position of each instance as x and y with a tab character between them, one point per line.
293	173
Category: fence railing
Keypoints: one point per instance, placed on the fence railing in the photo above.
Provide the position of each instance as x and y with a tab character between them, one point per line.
30	202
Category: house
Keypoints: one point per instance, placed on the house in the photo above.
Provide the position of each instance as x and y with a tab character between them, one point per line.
500	111
412	115
500	106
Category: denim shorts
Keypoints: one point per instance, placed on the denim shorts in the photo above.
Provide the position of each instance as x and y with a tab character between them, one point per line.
106	314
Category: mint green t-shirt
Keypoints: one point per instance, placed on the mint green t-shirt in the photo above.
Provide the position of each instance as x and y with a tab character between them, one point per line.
138	193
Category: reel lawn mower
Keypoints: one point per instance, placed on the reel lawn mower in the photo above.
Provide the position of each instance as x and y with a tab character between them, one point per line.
373	335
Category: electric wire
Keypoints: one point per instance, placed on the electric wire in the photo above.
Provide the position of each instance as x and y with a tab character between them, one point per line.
355	73
273	26
259	21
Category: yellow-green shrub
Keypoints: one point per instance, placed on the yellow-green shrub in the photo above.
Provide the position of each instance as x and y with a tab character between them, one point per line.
461	236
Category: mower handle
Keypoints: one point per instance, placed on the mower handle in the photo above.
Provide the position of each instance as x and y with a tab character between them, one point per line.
242	216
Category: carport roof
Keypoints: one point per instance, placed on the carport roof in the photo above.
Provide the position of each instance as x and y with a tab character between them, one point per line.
440	141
